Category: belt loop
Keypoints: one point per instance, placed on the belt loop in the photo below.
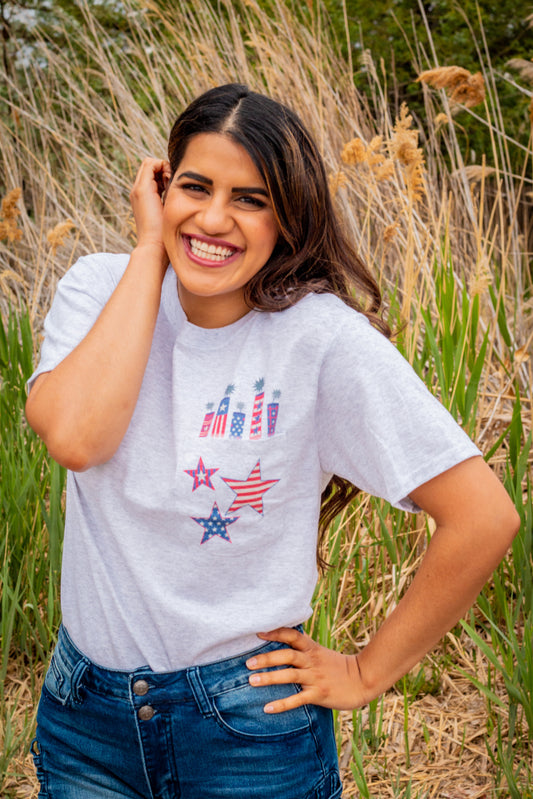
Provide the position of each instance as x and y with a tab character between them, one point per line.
197	687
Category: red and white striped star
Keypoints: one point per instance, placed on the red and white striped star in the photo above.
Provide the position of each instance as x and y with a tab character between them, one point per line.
249	491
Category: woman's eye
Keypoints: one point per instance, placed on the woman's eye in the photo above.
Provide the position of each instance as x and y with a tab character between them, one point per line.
194	187
247	199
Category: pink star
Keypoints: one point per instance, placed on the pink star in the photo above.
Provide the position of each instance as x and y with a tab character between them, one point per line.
201	475
249	491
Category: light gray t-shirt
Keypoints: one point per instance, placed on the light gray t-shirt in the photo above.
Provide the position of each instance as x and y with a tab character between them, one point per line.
201	530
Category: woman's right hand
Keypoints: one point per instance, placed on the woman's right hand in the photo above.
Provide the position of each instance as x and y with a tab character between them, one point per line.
82	408
145	197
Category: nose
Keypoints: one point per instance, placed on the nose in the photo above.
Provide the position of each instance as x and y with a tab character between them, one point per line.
215	216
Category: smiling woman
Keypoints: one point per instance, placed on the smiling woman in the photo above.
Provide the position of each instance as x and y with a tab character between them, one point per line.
194	502
219	228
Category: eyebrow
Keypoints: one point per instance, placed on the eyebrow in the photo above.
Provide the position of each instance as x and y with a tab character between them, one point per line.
235	189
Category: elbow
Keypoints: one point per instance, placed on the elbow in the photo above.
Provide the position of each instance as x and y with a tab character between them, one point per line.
506	526
67	440
67	451
72	458
513	524
61	447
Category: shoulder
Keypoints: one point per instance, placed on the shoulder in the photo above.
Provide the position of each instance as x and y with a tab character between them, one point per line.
324	315
101	267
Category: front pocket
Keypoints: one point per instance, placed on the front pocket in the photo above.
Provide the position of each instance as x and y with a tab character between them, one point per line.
232	494
62	680
240	711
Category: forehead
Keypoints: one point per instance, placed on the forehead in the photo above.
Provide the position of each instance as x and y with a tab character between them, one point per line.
219	157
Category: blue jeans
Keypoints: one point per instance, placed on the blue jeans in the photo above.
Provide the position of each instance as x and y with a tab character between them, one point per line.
199	733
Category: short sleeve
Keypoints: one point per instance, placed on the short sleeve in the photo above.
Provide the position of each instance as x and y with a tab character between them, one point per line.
378	425
80	296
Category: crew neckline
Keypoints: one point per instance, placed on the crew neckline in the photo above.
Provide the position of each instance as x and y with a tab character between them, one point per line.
187	331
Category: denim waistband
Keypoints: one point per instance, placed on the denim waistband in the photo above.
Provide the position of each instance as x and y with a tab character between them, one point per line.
222	675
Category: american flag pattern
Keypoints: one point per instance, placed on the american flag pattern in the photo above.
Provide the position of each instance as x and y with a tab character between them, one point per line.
237	424
215	524
219	425
249	491
201	476
257	413
208	418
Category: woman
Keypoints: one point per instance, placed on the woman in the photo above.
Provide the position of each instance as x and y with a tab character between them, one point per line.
202	409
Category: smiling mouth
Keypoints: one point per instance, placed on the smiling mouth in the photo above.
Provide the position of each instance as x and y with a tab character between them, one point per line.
210	252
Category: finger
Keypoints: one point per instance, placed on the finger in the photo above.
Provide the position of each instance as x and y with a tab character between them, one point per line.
288	635
278	657
289	702
150	167
278	677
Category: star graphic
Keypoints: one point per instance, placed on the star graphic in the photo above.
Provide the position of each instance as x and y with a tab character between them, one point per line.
250	491
201	475
215	525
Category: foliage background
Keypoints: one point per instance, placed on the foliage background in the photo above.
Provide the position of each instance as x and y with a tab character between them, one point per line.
437	197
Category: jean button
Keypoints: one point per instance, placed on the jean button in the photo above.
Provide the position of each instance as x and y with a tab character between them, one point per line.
146	712
140	688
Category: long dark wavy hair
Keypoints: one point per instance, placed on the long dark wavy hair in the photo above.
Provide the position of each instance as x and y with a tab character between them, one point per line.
312	253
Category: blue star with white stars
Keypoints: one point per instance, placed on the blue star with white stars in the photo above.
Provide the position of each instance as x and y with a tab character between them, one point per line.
215	525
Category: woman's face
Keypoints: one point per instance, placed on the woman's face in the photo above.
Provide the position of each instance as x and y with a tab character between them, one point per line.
219	228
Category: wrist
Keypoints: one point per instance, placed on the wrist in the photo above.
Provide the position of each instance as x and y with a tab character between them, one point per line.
153	252
370	684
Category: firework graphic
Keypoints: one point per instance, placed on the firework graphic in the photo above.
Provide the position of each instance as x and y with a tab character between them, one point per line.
272	412
208	418
257	412
219	425
237	422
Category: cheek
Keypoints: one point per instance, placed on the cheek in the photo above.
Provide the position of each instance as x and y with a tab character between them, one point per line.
268	235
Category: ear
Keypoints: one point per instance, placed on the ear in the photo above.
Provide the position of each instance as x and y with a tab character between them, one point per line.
167	179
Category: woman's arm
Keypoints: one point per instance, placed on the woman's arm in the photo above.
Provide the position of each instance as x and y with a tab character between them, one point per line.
82	408
476	522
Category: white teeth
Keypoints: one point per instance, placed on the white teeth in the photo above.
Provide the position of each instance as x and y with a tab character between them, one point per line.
211	252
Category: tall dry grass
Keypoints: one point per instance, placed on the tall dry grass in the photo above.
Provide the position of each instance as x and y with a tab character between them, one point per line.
448	241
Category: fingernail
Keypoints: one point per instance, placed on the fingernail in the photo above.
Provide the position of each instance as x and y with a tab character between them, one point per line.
255	679
251	663
269	708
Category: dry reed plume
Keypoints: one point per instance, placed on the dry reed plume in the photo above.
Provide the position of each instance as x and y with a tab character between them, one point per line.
461	86
402	147
8	216
57	236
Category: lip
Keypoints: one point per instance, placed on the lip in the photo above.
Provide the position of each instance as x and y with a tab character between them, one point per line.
205	261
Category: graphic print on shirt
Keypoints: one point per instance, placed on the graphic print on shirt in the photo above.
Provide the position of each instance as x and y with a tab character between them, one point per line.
201	476
249	491
240	415
272	412
215	524
237	422
217	426
255	427
208	418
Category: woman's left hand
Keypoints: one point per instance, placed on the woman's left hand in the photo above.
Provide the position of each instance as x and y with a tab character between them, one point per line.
475	524
327	678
